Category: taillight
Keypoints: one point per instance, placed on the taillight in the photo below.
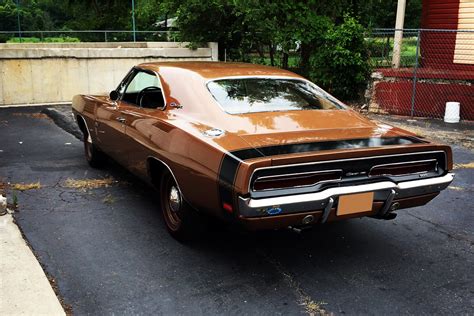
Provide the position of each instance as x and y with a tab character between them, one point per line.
295	180
405	168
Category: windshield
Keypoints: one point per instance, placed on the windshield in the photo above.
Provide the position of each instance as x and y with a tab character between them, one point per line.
250	95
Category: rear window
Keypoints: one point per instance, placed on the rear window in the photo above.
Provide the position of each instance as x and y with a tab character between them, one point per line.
250	95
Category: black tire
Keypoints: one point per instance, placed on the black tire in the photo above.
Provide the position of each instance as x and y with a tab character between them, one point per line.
182	221
94	157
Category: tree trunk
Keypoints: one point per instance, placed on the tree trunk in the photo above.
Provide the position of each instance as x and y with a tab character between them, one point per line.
305	54
259	49
272	55
284	62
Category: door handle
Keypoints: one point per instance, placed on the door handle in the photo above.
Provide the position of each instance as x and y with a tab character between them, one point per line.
121	119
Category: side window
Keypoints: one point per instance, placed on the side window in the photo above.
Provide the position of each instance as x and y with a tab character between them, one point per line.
144	90
121	88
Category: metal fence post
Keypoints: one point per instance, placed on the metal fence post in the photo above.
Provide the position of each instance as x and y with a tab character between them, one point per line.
18	18
413	95
105	36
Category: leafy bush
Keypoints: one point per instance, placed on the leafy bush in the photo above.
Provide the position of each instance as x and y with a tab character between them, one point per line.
4	38
341	64
379	47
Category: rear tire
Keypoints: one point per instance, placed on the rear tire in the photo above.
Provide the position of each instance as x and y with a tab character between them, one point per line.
182	221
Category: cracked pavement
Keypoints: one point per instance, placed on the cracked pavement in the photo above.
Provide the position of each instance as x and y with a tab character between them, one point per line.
109	252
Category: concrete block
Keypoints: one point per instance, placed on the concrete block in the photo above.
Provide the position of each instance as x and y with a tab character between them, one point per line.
17	81
54	72
2	78
44	80
73	77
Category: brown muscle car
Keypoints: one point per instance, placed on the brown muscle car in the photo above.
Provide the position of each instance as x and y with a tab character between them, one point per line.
256	145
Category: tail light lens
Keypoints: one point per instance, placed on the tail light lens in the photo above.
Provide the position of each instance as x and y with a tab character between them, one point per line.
295	180
406	168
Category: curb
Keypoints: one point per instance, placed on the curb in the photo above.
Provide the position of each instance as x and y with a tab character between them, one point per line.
24	287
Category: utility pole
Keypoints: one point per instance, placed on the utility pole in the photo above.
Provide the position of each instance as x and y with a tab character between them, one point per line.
18	18
397	42
133	21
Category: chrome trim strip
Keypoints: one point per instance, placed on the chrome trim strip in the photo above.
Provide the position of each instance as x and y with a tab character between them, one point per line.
426	182
297	174
403	163
323	195
351	159
334	192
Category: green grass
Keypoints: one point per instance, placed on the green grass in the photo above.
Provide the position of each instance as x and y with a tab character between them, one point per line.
293	61
65	39
381	52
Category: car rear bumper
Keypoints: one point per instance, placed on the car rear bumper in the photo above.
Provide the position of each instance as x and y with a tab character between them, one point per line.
386	193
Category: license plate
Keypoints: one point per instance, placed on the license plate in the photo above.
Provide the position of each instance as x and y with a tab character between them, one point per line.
355	203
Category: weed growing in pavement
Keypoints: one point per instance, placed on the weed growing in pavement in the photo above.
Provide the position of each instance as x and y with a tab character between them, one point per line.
108	199
15	200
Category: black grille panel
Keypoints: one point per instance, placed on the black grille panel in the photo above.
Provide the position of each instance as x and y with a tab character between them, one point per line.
353	170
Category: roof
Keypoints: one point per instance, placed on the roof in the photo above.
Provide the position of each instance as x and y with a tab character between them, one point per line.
214	69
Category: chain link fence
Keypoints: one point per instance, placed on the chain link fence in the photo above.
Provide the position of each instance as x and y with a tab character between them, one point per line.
436	67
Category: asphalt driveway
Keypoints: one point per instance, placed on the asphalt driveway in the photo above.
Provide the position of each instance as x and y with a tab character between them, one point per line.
108	250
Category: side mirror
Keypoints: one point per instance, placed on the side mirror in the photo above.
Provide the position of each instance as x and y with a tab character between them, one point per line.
114	95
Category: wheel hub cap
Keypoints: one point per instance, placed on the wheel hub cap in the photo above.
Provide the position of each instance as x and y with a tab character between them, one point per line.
175	199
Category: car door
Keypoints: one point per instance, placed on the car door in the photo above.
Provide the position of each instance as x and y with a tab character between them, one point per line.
141	107
110	123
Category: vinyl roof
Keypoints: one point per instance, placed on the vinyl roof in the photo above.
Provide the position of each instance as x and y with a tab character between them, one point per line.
220	69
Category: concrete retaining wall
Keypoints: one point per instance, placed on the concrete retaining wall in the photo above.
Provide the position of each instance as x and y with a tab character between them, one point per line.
50	73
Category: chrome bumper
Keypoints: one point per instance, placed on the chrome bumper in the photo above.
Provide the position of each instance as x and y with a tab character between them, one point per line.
385	190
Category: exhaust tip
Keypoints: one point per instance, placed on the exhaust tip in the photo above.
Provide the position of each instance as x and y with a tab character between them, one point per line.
395	206
308	219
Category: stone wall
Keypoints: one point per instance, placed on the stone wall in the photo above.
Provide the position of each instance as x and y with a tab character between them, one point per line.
54	73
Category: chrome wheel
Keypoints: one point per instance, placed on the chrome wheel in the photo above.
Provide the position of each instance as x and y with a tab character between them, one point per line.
181	220
172	204
174	199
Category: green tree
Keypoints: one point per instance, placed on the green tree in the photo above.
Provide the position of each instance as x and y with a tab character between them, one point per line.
330	45
32	16
341	64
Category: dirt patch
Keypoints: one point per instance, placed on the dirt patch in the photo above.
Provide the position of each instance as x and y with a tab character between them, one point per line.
464	139
26	186
85	184
3	187
462	136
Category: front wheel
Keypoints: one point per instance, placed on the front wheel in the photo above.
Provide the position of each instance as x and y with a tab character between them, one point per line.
182	222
